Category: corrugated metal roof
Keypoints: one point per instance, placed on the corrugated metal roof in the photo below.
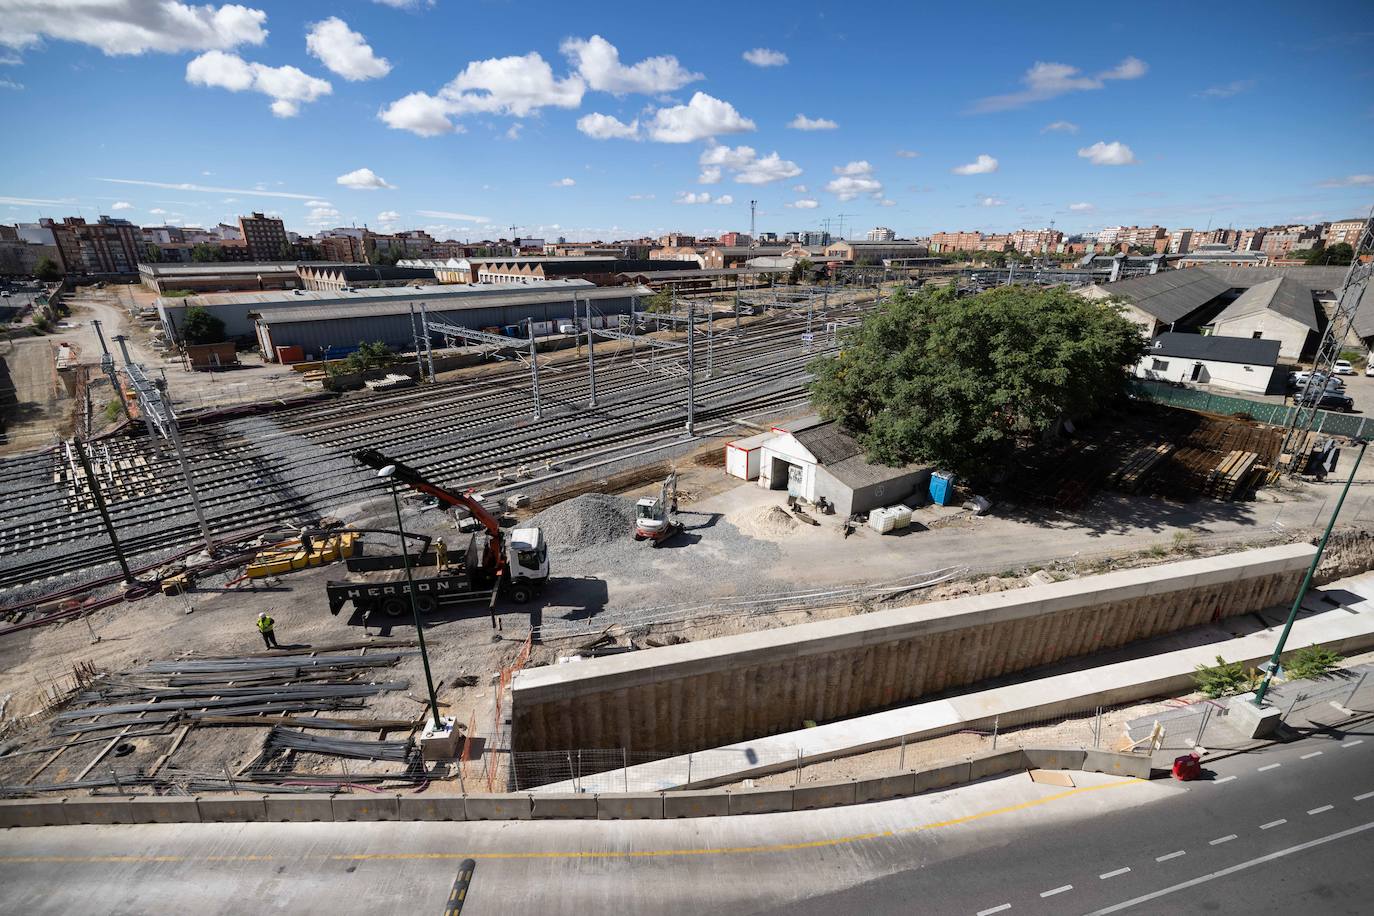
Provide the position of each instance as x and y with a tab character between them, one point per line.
828	443
281	298
700	273
402	305
220	267
1249	350
1323	278
1169	295
1282	296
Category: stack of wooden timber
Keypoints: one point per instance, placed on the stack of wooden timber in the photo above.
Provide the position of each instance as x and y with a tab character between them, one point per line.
1235	475
1138	465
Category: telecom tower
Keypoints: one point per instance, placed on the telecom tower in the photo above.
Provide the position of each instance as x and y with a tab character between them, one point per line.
753	236
1329	350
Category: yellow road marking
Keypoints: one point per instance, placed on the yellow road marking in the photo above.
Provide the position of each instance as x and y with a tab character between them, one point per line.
606	854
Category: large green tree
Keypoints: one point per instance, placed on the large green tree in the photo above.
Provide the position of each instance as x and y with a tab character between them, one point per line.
47	270
959	383
201	327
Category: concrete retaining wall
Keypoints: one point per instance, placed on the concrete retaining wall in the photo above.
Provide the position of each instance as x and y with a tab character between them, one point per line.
691	697
146	809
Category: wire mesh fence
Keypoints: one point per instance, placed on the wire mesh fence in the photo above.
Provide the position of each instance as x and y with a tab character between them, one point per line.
1352	689
1263	411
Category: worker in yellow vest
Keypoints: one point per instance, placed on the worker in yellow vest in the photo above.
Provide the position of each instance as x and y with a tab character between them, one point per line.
265	624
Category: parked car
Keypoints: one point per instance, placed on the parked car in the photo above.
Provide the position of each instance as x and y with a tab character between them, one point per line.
1329	400
1299	379
1369	367
1343	367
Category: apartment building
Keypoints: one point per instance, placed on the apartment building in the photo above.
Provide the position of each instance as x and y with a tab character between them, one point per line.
265	237
1344	231
1180	241
107	246
1035	241
880	234
944	242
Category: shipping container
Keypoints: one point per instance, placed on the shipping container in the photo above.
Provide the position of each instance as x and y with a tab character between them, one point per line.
291	354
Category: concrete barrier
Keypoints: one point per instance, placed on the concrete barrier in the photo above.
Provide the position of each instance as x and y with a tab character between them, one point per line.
99	810
1118	764
565	806
882	788
232	809
1054	758
824	795
629	807
431	807
995	763
32	812
759	801
512	807
161	809
696	803
365	806
298	807
949	774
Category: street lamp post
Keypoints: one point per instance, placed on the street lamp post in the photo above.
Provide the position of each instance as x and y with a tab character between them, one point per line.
388	473
1307	581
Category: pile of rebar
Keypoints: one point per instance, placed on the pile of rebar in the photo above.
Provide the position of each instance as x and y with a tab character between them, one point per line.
395	751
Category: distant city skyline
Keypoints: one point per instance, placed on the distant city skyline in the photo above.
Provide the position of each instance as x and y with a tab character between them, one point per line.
465	120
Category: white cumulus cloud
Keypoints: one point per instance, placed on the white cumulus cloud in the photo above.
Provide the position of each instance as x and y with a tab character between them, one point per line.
598	63
702	117
765	57
991	202
907	154
701	197
607	127
805	203
288	86
854	180
860	167
1066	127
745	164
364	180
1082	207
344	51
131	26
121	205
802	122
457	217
1047	80
980	166
1114	153
562	183
513	86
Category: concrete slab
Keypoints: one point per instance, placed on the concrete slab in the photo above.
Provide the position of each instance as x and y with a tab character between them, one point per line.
302	807
565	805
232	808
106	810
1254	721
365	806
428	807
995	763
696	803
949	774
759	801
509	807
1054	758
629	807
161	809
825	795
32	812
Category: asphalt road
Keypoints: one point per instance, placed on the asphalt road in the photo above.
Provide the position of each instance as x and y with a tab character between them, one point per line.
1259	838
1288	829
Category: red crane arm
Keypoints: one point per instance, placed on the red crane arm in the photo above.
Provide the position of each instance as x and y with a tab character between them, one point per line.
412	478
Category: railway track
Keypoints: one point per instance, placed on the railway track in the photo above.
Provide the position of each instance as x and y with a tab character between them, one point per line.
289	467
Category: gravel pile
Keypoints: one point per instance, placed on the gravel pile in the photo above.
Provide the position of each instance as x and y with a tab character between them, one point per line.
586	521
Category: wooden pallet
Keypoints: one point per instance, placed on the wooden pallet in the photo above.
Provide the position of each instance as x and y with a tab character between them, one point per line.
1228	479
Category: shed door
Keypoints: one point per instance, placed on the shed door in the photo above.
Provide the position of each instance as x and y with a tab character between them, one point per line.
794	480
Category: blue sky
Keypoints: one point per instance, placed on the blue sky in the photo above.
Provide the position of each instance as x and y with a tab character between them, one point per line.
465	117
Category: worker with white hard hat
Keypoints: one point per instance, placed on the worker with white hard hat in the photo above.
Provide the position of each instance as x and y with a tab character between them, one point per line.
265	625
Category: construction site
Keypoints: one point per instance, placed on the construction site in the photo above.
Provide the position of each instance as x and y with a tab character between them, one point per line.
639	563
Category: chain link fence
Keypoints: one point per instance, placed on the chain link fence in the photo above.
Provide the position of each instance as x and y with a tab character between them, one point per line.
1339	424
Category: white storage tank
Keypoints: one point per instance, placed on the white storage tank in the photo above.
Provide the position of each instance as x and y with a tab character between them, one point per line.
901	516
882	520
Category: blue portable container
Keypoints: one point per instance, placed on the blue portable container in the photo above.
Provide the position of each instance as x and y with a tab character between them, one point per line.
941	488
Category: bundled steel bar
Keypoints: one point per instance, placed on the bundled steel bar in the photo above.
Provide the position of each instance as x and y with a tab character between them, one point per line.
397	751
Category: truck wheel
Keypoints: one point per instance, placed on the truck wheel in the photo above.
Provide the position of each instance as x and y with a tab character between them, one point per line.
426	603
395	607
521	593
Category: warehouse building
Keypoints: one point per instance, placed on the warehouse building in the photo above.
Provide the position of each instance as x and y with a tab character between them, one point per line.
219	276
813	460
1238	363
239	311
327	331
362	276
1281	309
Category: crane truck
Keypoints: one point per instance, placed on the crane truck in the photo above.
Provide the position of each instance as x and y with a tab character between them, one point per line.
493	564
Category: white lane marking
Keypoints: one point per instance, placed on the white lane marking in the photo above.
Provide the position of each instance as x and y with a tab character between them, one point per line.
1311	755
1172	855
1353	743
1272	766
1154	895
1223	779
1364	796
1322	810
1113	874
1278	823
996	909
1057	890
1222	839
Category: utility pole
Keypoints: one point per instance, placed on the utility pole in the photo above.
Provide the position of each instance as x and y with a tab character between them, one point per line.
691	369
98	498
534	367
591	359
1307	581
108	367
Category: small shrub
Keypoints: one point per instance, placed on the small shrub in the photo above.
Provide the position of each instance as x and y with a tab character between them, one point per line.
1184	542
112	411
1225	678
1312	662
1157	550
